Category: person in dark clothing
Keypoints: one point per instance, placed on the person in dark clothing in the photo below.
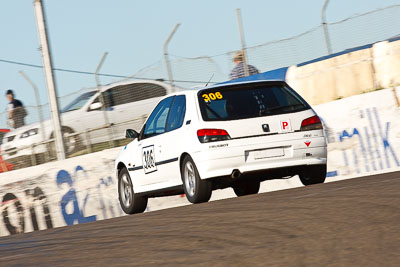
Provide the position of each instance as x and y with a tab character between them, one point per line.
239	69
16	111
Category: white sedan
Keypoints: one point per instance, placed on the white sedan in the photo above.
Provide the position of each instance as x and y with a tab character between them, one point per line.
229	135
123	101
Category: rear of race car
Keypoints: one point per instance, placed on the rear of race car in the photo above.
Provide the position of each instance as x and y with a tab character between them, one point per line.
259	128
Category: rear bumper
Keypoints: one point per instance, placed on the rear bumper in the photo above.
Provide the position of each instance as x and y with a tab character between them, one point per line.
218	163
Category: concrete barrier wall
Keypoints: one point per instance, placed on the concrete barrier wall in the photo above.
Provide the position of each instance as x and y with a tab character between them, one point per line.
347	74
73	191
387	63
363	136
363	133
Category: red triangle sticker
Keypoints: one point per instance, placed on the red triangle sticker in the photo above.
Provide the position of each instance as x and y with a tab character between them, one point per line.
307	143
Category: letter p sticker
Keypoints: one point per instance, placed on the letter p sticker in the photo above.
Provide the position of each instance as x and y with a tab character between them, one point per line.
286	126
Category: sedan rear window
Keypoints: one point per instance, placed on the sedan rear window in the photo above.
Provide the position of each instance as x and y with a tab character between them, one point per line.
249	101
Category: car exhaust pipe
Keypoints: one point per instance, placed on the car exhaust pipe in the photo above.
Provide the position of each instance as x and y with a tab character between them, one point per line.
236	174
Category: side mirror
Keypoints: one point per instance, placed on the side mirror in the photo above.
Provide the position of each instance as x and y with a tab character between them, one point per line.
95	106
129	133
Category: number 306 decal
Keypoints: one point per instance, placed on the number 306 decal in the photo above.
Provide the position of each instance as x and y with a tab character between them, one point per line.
148	159
212	96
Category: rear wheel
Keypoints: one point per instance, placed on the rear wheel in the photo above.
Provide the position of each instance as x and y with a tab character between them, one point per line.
196	189
130	202
313	174
244	188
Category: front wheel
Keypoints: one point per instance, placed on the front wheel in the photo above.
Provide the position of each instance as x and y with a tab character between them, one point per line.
71	142
196	189
313	174
244	188
130	202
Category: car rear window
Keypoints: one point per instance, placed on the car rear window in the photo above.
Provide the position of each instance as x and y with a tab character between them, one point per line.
249	101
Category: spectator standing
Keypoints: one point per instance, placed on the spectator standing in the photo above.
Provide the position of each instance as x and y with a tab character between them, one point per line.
238	71
16	111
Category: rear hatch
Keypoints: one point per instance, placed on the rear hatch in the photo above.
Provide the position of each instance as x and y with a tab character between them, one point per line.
256	109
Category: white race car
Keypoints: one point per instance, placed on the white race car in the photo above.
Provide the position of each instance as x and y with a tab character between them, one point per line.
228	135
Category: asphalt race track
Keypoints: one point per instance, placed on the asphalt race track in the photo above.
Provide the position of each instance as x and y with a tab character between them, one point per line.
347	223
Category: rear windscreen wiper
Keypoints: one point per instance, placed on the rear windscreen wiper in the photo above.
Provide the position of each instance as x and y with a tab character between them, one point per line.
284	107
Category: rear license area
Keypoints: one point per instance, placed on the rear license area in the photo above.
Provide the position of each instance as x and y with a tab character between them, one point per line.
265	153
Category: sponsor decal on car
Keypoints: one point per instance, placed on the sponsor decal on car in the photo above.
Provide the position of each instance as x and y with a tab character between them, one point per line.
148	159
218	146
286	126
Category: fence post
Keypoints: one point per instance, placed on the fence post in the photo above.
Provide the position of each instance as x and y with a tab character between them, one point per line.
33	157
396	98
241	33
39	110
325	27
103	103
166	56
51	85
88	144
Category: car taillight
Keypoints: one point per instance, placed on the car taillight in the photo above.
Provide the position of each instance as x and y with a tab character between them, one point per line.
212	135
312	123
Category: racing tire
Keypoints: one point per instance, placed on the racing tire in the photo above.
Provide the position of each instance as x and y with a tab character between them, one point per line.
244	188
72	143
313	174
130	202
196	189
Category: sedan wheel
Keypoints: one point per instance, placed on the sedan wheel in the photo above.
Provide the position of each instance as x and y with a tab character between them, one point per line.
71	142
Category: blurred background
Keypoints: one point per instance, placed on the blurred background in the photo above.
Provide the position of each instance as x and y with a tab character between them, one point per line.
348	48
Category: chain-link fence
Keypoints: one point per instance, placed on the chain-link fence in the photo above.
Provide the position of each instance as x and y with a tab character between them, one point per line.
128	103
352	32
89	124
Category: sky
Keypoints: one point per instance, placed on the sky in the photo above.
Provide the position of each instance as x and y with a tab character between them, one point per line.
133	33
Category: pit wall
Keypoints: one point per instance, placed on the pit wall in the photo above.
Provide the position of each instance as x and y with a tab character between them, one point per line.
340	75
347	73
333	78
76	190
363	134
